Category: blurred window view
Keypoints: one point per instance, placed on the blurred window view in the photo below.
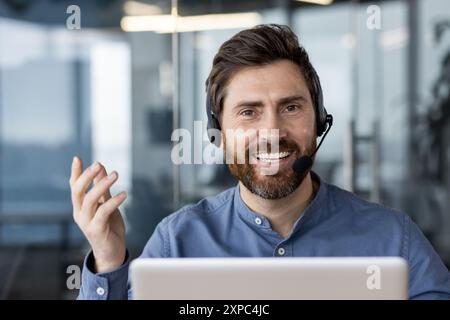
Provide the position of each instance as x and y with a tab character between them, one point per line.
114	89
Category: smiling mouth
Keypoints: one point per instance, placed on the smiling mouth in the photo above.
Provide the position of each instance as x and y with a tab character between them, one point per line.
272	157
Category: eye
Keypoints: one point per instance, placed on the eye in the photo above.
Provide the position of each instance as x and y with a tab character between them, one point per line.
292	108
247	113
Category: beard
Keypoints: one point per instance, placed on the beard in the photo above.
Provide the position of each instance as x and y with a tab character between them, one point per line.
278	185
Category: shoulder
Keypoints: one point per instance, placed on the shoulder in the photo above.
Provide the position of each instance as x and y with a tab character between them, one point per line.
345	202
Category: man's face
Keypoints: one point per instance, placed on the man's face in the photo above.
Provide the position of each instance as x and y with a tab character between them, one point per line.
259	99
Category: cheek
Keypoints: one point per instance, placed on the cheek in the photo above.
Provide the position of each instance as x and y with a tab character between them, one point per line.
229	121
303	131
305	138
238	139
307	133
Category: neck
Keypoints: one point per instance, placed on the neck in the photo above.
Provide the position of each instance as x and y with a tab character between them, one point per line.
281	213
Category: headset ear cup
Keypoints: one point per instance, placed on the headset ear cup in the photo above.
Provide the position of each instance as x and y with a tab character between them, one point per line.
321	112
322	121
214	131
213	126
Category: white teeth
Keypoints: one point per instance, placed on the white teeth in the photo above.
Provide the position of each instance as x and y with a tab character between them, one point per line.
272	156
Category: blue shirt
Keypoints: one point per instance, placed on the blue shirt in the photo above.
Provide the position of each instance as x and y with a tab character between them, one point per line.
336	223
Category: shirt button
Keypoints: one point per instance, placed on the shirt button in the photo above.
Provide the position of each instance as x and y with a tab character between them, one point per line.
100	291
281	251
258	221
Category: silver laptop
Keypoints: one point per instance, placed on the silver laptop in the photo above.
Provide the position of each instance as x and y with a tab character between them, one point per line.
269	278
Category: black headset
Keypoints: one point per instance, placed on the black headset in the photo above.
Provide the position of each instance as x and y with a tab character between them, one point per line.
324	121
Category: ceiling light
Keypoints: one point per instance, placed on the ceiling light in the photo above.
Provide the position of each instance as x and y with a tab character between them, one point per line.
321	2
174	23
135	8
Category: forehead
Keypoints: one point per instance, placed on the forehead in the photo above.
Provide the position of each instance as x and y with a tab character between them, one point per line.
271	81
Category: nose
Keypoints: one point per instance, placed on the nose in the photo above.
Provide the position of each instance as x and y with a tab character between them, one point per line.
273	125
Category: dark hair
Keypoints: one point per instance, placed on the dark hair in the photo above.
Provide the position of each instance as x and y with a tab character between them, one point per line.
261	45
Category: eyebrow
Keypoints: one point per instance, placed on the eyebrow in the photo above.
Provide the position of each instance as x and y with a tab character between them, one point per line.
259	103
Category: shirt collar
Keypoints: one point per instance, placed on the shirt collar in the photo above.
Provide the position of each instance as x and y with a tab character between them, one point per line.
317	206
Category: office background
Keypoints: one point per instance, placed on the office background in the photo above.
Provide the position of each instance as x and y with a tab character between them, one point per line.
114	90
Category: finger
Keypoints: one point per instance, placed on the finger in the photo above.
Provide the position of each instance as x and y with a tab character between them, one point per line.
103	173
105	211
92	198
82	183
76	170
